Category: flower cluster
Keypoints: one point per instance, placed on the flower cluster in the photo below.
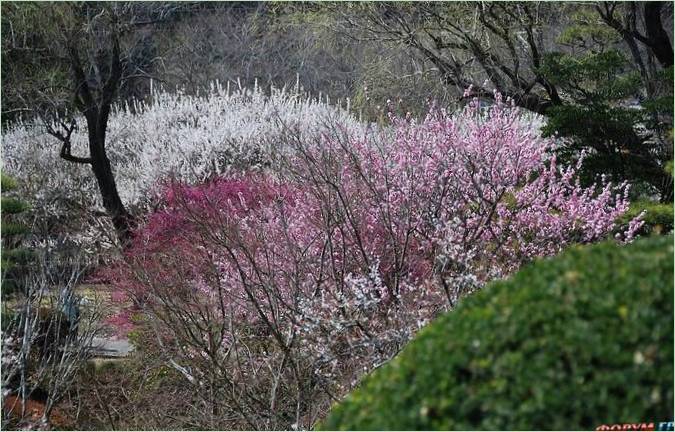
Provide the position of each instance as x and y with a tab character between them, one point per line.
188	137
330	263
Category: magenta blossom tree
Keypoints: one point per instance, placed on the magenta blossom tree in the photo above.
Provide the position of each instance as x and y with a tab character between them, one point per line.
276	292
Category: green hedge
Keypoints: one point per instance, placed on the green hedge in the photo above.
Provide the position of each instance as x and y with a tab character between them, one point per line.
573	342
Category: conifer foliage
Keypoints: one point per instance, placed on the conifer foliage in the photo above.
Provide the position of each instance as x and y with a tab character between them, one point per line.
15	257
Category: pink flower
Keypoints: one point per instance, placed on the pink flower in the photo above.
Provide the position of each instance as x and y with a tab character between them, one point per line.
364	236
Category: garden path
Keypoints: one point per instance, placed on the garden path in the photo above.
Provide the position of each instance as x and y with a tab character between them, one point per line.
108	345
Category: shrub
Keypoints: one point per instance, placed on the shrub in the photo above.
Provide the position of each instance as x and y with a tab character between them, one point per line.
134	393
15	259
657	217
49	339
572	342
293	285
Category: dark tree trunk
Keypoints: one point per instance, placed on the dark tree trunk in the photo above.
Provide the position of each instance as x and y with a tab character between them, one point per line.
100	165
657	38
94	104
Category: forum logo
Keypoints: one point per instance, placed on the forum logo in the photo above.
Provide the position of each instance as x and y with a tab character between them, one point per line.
659	426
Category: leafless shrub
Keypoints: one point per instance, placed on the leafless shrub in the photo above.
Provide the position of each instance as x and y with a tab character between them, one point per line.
47	340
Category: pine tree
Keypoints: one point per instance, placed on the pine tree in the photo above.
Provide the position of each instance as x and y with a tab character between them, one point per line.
14	258
616	112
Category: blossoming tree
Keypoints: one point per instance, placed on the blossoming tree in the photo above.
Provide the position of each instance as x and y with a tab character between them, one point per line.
276	291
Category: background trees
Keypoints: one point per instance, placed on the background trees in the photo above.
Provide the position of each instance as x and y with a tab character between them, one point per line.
483	45
79	55
584	66
617	101
601	73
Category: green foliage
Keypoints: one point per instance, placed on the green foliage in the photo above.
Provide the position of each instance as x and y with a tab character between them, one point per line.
592	77
596	118
617	112
7	183
14	229
586	27
658	217
14	259
572	342
607	133
13	206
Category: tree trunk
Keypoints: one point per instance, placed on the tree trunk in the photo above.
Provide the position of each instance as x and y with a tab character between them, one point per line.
100	165
95	106
657	38
121	219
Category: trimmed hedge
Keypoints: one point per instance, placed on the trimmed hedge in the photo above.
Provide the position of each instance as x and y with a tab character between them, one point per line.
573	342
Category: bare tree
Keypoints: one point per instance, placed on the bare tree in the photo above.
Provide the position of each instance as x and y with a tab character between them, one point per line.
91	51
505	43
91	44
470	43
48	340
641	28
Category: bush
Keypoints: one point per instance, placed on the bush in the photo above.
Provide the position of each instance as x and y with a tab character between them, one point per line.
568	343
136	392
14	259
47	340
658	218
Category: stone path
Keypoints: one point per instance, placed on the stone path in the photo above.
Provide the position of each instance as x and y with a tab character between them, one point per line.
109	347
